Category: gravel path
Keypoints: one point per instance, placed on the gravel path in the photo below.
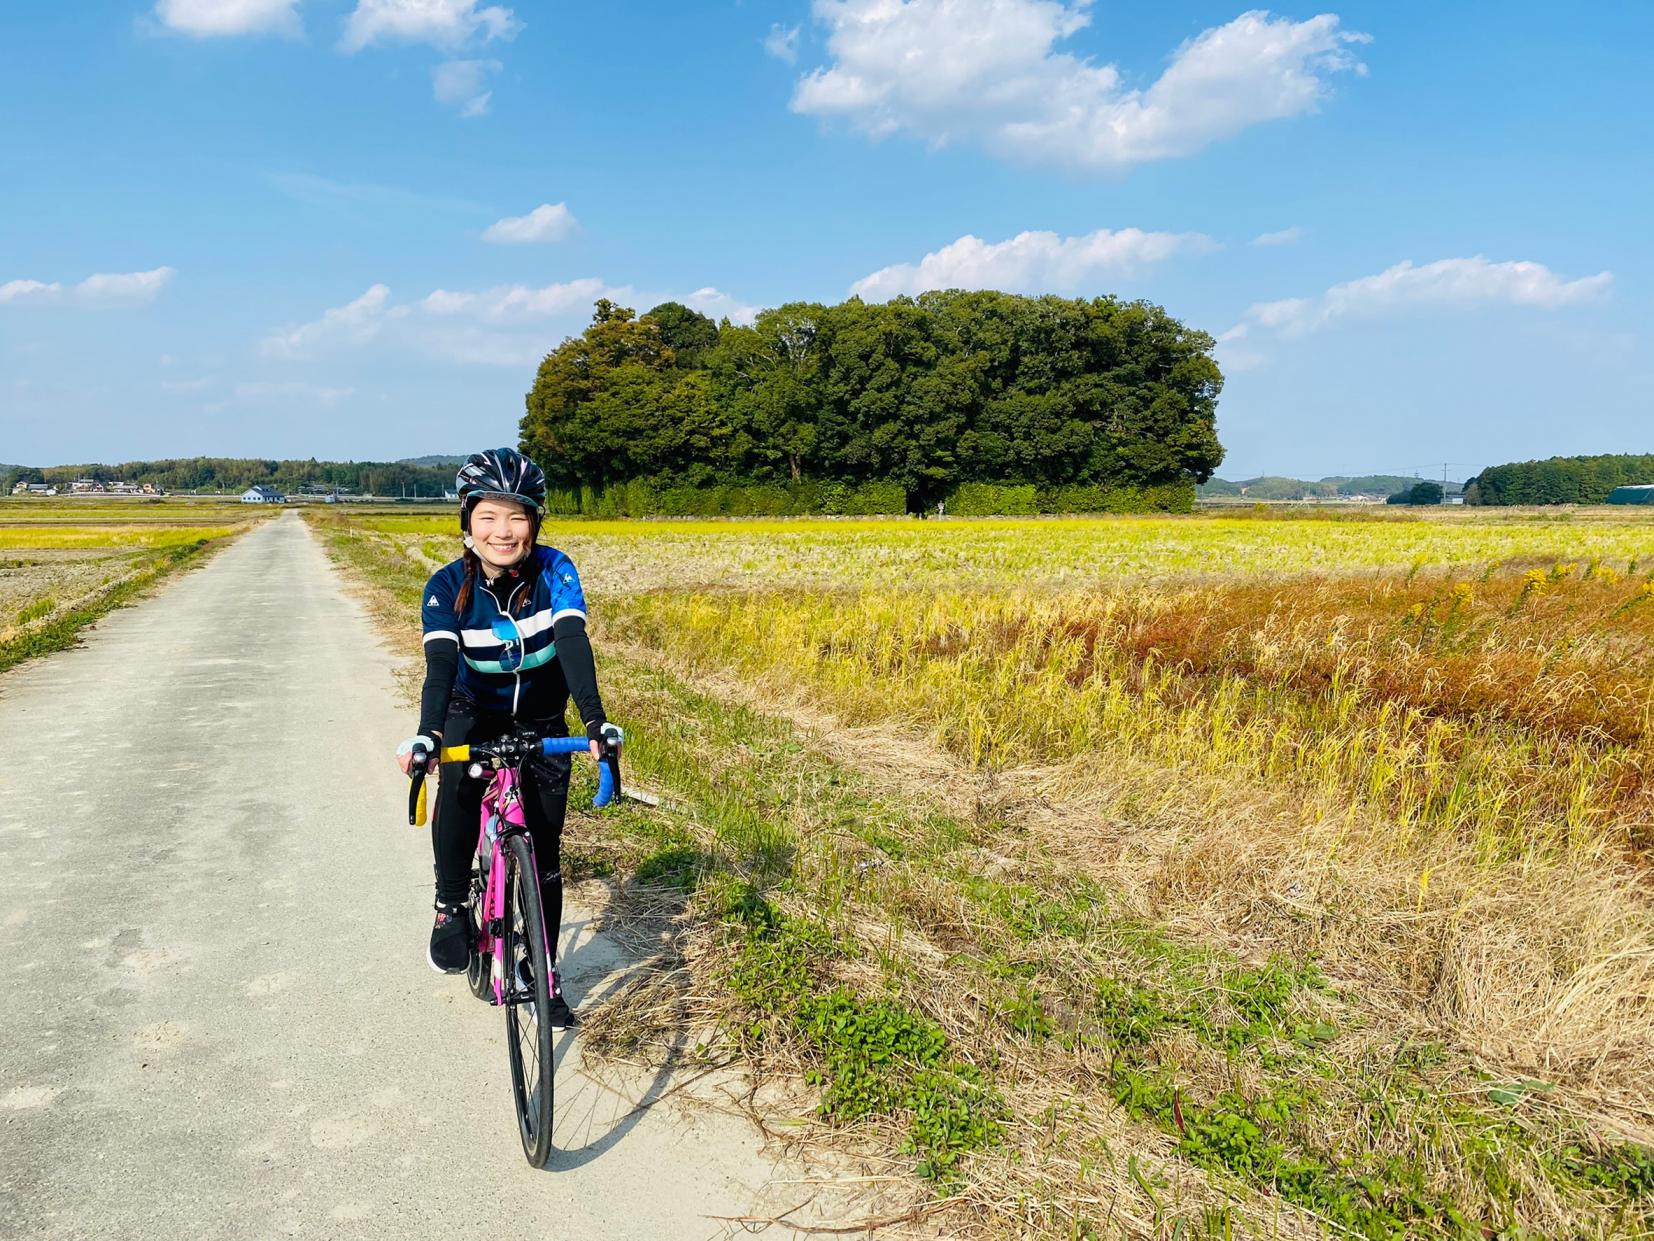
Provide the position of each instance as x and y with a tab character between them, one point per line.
218	1020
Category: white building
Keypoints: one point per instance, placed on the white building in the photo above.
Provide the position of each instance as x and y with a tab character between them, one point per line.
258	493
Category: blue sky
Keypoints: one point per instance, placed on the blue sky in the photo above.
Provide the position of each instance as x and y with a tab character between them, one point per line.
349	228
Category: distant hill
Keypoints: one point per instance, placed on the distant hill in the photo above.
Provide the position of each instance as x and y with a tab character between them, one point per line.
1333	487
431	460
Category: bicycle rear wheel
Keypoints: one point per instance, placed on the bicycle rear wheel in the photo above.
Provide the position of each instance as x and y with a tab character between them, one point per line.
528	995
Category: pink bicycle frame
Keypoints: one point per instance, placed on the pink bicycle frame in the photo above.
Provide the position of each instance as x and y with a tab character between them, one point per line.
502	810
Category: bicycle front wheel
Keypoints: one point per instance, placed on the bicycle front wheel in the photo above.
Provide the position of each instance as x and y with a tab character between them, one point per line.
523	953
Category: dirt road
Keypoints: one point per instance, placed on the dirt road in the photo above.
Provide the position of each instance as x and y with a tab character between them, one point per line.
218	1020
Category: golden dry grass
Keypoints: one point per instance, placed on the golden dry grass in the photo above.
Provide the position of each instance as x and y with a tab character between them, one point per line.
1417	753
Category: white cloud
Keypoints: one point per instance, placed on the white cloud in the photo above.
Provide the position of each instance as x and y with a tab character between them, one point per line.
716	304
782	43
442	23
461	84
1031	262
123	289
986	71
1284	237
354	323
1444	282
519	302
29	290
104	289
206	19
547	222
507	325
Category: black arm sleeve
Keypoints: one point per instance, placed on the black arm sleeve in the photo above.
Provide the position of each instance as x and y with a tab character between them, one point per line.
574	653
441	666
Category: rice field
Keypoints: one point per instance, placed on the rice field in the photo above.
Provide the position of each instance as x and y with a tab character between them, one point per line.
63	562
1257	875
1055	553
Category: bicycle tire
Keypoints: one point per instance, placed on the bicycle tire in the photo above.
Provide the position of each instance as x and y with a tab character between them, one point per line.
479	974
528	1038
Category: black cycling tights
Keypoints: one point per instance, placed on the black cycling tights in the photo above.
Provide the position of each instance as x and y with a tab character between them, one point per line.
459	805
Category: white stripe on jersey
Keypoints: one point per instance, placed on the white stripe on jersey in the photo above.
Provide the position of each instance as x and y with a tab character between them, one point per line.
528	626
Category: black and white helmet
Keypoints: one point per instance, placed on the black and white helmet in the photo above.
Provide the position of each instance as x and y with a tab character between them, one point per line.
499	474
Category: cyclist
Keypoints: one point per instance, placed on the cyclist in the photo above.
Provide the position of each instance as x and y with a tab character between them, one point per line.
484	677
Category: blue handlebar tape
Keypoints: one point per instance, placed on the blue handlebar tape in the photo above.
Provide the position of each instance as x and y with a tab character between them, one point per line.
564	745
579	745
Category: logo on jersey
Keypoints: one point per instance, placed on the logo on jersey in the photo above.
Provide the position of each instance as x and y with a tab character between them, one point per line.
432	601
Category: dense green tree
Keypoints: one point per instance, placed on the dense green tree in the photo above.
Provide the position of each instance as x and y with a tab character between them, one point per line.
927	392
687	333
618	367
1424	492
1559	480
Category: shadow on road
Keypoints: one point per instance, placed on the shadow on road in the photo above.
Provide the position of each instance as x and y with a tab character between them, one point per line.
592	1116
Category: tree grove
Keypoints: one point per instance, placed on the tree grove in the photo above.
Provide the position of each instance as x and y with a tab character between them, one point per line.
928	393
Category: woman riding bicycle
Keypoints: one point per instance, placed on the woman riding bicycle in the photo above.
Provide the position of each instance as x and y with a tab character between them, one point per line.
505	648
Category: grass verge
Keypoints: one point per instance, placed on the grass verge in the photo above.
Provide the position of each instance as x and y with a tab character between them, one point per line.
969	1007
30	638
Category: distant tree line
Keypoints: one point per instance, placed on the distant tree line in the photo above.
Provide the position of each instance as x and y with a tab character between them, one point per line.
927	394
1559	480
1425	492
236	474
1334	486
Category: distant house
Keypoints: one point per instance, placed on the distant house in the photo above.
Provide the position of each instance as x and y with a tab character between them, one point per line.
1637	493
33	489
258	493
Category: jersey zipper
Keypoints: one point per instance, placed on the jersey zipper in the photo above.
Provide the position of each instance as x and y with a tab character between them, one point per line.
522	642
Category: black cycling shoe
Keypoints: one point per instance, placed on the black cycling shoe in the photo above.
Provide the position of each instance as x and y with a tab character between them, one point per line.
450	951
559	1016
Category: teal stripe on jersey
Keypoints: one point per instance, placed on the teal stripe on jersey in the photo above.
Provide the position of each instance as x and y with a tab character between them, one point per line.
532	660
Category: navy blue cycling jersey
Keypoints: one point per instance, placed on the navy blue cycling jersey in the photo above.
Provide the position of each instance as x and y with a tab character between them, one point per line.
508	659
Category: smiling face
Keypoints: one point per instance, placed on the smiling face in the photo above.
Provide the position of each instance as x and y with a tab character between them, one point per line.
501	532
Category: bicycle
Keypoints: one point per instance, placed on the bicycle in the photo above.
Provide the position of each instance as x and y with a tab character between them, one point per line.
513	965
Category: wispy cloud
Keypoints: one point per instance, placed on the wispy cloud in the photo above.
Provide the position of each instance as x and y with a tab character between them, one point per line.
520	302
1282	237
292	391
207	19
1465	281
716	304
1031	262
106	289
349	196
445	24
782	43
987	71
547	222
354	323
505	325
462	84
